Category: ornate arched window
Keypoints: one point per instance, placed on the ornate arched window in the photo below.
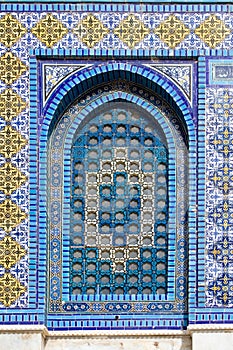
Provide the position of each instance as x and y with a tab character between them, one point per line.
117	195
119	203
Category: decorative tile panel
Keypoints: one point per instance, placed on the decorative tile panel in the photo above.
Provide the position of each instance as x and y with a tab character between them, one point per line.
10	289
172	31
221	72
91	30
181	74
11	67
131	31
212	31
53	74
219	206
11	30
49	30
11	104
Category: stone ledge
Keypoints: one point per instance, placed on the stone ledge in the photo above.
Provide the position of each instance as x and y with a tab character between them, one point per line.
32	329
93	334
210	328
119	333
197	328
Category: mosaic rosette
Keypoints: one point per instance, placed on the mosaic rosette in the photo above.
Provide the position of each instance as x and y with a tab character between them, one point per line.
11	67
131	31
49	30
172	31
11	104
91	30
10	289
212	31
11	30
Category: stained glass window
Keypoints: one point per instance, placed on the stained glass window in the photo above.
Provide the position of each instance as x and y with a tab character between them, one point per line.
119	204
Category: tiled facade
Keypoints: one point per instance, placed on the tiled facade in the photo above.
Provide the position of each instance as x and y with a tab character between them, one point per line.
52	55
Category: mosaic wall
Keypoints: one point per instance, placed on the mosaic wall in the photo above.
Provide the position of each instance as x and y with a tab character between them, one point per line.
113	31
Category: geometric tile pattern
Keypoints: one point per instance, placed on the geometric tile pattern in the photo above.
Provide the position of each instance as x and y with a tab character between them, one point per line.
11	178
91	30
117	30
11	141
172	31
11	104
131	31
10	289
212	31
11	30
11	68
219	204
49	30
10	215
10	252
13	255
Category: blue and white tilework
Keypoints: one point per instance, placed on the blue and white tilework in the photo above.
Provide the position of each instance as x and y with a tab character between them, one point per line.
56	33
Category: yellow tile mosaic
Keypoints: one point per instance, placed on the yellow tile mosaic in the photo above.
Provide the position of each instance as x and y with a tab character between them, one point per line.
212	31
172	31
91	30
10	178
11	141
10	215
11	68
10	252
131	31
49	30
11	104
10	289
11	30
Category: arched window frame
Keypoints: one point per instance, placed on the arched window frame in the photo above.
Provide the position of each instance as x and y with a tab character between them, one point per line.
50	110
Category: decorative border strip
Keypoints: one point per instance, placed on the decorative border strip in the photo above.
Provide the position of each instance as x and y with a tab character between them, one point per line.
117	5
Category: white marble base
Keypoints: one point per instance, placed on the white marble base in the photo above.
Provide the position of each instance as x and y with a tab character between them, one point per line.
211	337
22	338
204	337
123	340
